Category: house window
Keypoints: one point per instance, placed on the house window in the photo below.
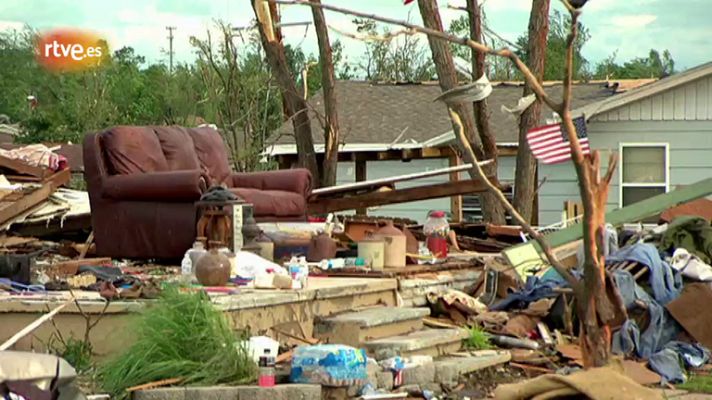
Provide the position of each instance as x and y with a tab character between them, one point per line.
644	172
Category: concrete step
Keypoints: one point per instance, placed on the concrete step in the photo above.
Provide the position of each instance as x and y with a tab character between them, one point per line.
429	342
356	328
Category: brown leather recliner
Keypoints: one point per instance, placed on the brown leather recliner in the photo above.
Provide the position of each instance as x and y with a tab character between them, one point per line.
143	183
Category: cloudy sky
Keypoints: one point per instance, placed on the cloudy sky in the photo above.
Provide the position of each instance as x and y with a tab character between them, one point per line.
631	27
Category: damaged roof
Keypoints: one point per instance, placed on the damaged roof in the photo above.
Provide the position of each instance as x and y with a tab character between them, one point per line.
405	113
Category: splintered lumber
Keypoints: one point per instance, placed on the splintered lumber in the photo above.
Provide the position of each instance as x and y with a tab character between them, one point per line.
372	199
17	203
24	168
34	325
349	187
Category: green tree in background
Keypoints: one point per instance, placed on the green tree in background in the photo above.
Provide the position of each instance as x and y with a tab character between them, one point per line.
396	60
556	48
654	66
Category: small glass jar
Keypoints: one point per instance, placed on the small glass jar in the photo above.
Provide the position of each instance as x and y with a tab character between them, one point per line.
436	230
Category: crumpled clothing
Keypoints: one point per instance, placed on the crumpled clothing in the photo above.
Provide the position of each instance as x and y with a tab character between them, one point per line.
661	329
670	361
690	265
691	233
665	282
534	289
37	155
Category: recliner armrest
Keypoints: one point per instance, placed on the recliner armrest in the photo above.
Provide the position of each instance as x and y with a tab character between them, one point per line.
170	186
297	180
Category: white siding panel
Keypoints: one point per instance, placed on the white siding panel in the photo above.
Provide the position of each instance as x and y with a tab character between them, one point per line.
657	111
634	111
679	103
702	96
690	102
668	105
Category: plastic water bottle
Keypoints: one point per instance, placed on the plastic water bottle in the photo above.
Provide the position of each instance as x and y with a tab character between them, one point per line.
186	267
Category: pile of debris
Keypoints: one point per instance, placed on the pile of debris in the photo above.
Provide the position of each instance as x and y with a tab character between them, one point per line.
662	273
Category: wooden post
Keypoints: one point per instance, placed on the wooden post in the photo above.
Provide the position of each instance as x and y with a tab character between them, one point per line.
360	177
455	201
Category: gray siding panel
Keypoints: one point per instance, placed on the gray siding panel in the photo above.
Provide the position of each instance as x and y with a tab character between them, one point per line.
690	144
690	102
701	103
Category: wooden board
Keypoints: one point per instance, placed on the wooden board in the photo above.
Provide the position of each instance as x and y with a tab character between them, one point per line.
408	270
326	205
12	205
23	168
350	187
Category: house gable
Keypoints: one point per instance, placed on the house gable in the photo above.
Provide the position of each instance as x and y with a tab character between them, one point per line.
691	101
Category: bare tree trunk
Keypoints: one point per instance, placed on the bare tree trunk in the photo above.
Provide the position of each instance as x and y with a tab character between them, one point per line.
492	210
525	176
331	125
448	80
296	106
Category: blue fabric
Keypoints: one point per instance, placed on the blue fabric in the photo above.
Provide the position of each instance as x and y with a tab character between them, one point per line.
671	361
534	289
661	329
665	282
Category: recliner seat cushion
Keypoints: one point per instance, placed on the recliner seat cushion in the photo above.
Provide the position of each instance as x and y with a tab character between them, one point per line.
211	153
133	149
177	148
273	202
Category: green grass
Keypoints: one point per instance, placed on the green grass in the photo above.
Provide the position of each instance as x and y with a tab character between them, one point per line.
697	384
78	354
477	340
181	336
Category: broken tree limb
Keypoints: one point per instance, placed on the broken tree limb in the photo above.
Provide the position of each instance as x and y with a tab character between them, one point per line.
34	325
506	53
548	252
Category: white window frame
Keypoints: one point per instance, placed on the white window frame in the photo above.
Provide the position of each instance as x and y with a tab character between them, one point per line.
621	185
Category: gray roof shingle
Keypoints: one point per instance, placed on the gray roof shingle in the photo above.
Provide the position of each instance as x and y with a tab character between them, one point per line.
378	113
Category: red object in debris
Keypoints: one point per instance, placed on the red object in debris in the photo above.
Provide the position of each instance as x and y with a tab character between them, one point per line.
406	2
436	230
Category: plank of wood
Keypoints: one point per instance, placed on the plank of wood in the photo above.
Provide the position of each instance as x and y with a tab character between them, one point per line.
326	205
23	168
34	325
349	187
11	209
58	178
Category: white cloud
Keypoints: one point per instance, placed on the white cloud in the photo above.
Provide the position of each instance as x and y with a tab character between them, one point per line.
633	21
11	25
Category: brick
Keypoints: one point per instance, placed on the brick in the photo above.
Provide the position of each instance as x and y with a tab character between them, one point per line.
212	393
384	380
419	374
172	393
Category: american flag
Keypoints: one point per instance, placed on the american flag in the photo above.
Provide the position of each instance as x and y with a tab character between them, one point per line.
550	143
